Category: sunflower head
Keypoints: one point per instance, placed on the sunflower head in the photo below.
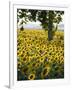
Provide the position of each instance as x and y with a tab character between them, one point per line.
19	64
45	71
31	77
24	59
42	59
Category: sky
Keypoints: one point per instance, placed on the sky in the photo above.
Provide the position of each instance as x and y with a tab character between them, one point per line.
32	25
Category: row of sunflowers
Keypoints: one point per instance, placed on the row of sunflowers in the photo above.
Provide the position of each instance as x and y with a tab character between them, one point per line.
38	58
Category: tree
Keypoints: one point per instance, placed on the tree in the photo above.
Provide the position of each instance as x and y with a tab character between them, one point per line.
46	17
58	18
23	15
22	22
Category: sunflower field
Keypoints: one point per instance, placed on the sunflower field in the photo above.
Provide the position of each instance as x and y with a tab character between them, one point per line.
38	58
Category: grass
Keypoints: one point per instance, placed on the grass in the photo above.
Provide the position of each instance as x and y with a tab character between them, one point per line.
38	58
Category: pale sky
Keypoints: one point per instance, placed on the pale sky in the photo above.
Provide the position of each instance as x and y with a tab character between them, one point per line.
35	25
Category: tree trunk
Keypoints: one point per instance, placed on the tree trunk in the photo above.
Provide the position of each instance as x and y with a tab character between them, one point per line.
22	28
50	36
50	25
56	27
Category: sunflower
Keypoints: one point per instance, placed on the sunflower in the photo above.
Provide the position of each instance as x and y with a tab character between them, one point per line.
37	47
41	59
24	60
56	56
21	54
46	54
51	49
38	64
25	69
53	53
19	64
55	49
60	49
50	58
34	64
18	53
29	58
31	76
34	57
50	53
61	58
45	71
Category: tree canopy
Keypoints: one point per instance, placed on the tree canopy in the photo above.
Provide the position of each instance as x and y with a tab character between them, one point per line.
46	17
